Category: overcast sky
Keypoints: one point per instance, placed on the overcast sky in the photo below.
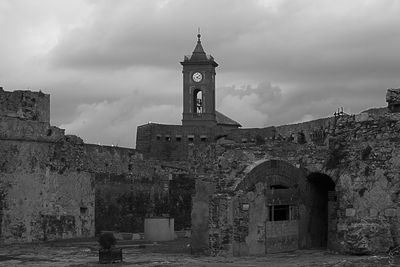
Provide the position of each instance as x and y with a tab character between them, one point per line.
113	65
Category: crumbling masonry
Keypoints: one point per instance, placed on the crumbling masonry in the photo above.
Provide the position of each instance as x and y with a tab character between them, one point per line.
53	186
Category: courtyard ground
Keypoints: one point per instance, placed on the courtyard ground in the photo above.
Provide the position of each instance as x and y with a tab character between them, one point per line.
84	253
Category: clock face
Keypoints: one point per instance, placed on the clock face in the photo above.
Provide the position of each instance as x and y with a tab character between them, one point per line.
197	77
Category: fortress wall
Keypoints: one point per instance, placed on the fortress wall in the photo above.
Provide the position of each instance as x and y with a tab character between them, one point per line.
259	135
40	201
159	140
19	129
68	189
54	186
361	156
25	104
171	142
311	129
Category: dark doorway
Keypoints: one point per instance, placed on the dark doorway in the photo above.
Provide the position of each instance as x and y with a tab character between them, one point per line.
321	209
181	189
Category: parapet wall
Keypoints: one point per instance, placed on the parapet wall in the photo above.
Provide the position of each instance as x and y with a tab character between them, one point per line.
306	131
25	105
171	142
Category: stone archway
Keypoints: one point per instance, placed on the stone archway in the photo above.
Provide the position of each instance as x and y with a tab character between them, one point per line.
272	171
266	209
269	210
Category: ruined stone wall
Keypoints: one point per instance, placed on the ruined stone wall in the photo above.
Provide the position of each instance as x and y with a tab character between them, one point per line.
25	104
359	153
365	154
252	135
40	198
54	186
149	188
18	129
311	131
62	189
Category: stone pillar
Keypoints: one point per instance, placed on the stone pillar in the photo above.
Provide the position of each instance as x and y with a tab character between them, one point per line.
393	100
200	217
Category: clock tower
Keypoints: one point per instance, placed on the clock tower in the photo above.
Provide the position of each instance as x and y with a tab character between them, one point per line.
199	88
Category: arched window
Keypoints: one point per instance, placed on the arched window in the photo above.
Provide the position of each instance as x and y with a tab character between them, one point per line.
197	101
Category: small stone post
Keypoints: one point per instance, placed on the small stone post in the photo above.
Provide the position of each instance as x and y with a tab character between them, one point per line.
393	100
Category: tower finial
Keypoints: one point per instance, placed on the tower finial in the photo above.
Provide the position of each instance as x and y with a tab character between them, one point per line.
198	34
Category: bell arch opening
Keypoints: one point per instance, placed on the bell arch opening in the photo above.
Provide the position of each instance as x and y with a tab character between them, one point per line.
321	206
198	101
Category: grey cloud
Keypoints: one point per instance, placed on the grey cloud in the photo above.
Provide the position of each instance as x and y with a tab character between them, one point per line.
121	118
121	36
276	107
266	93
315	55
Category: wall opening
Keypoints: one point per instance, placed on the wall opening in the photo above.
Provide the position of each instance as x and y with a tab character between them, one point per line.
274	220
322	210
83	210
279	213
198	102
181	189
278	186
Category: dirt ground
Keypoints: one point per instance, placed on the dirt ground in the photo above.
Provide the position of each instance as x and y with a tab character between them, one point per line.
175	253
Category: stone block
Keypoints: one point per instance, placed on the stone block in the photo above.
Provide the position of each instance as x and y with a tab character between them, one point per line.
368	237
159	229
341	227
126	236
390	212
350	212
188	234
373	212
223	163
118	236
362	117
136	236
393	99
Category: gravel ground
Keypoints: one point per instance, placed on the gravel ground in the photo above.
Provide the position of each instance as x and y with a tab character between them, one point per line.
175	253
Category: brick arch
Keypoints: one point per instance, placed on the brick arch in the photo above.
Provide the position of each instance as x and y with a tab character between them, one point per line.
273	172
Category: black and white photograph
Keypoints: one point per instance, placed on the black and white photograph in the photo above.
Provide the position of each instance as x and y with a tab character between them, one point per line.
200	133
